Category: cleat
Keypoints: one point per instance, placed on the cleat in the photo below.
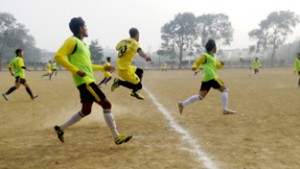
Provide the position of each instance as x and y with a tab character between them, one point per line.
115	84
59	133
5	97
137	95
180	107
34	97
229	112
122	139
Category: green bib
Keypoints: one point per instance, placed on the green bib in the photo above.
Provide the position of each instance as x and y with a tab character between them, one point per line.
209	68
81	58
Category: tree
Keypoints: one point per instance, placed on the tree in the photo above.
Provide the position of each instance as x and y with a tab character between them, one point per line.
214	26
96	51
13	35
273	31
180	33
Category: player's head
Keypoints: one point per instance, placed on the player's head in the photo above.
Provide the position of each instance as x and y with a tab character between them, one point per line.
77	26
210	46
134	33
256	58
19	52
108	59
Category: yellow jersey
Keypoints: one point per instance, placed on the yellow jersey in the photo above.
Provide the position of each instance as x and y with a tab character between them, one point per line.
127	50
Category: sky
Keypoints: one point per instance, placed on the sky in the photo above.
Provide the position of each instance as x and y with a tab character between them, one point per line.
109	21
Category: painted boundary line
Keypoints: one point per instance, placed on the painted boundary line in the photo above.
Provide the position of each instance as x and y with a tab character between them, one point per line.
207	162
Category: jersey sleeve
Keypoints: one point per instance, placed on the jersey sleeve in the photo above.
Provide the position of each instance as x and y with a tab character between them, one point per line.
65	50
9	65
98	67
200	61
21	62
219	65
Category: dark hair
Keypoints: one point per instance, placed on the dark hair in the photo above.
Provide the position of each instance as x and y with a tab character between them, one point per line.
75	24
298	54
210	45
18	51
133	32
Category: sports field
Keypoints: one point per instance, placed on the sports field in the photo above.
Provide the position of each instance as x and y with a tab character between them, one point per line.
264	134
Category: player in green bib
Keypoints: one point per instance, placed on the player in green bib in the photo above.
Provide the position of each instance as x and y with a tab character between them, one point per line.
79	64
255	65
209	65
297	67
54	68
17	68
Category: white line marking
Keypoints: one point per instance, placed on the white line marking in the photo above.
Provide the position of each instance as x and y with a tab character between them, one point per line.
207	162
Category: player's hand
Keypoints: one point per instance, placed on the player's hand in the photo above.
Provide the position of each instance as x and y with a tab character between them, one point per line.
148	59
81	73
109	68
222	63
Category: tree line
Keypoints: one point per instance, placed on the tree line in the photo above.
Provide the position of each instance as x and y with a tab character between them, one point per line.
181	37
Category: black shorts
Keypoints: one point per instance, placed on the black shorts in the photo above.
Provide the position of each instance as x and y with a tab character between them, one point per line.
20	80
90	93
299	73
214	83
256	71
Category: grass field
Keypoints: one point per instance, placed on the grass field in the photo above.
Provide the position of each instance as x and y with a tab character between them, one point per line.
264	134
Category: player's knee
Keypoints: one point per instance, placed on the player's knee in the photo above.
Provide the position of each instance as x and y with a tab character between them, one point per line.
139	72
105	104
85	112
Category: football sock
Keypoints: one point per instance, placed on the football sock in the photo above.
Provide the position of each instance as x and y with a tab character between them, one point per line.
224	97
11	90
102	81
110	120
29	92
126	84
107	80
74	119
192	99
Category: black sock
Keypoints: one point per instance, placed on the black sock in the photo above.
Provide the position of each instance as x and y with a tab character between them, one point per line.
126	84
11	90
29	92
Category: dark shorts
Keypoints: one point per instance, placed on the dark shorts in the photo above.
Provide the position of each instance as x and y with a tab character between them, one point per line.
299	73
256	71
54	69
215	83
20	80
90	93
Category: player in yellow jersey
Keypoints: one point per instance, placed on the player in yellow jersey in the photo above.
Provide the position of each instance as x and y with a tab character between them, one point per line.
48	70
164	67
209	65
54	68
107	74
297	67
131	75
17	68
79	64
255	65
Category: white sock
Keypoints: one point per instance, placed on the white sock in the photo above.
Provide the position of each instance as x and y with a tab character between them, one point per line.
192	99
74	119
224	97
110	120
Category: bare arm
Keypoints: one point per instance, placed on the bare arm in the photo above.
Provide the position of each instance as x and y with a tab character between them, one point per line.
144	55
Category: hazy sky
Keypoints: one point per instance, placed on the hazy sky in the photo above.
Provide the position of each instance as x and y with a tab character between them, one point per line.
109	21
